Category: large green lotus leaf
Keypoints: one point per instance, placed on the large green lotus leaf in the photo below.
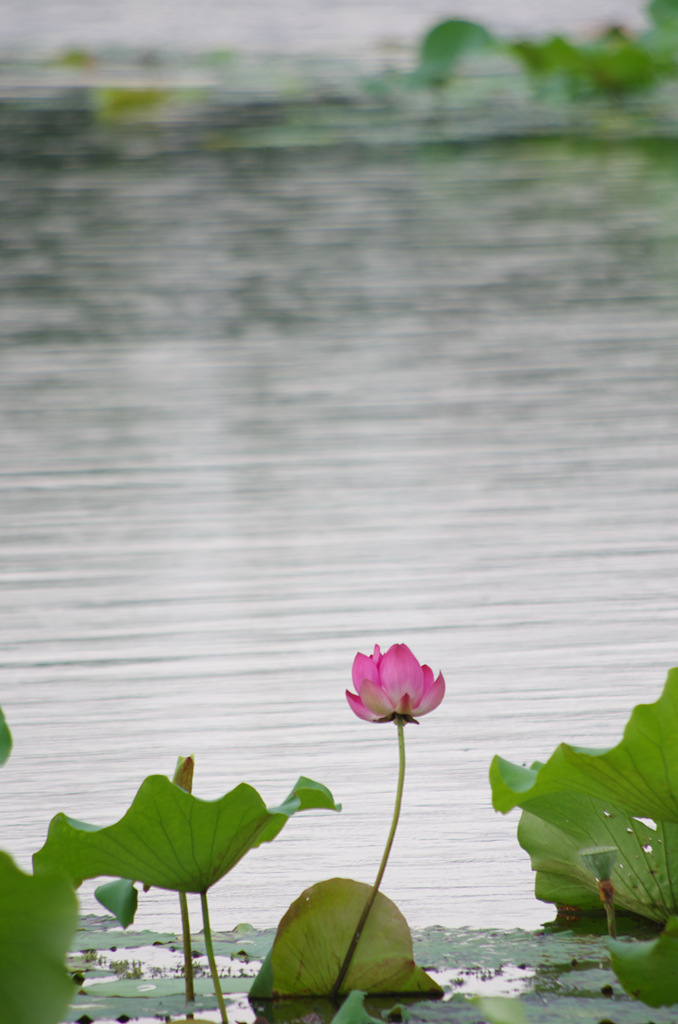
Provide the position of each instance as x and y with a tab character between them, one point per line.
5	739
315	933
557	827
171	839
639	775
649	970
38	919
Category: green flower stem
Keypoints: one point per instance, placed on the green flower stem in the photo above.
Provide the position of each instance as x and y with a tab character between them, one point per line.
400	723
210	957
188	958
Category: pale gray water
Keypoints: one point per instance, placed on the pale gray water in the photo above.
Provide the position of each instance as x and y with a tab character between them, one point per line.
262	410
344	27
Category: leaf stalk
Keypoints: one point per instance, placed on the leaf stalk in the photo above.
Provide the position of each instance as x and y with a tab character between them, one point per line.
210	956
188	958
343	970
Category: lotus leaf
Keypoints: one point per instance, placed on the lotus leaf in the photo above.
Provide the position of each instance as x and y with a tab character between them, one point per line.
556	829
5	739
352	1011
647	970
445	45
639	775
583	798
121	898
313	937
171	839
38	918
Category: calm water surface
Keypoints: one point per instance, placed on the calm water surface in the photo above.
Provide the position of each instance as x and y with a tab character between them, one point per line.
262	410
344	27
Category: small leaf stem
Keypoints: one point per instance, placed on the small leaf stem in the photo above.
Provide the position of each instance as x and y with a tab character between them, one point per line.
400	723
210	956
188	958
606	892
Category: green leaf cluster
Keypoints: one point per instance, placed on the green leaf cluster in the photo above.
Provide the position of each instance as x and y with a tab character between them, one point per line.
625	797
615	64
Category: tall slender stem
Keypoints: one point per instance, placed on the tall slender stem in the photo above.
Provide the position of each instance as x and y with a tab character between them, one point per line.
188	958
183	777
210	956
400	723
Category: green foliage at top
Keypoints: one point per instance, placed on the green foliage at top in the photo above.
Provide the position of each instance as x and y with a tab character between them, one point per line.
171	839
663	10
615	64
5	739
315	933
38	918
445	45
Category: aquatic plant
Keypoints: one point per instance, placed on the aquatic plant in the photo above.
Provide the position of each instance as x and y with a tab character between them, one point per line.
624	798
615	63
393	686
5	739
38	918
601	862
170	839
314	951
444	47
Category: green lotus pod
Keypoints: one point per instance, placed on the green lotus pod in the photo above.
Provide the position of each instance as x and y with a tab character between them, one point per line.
600	860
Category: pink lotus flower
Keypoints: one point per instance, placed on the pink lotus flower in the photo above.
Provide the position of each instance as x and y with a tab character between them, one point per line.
393	684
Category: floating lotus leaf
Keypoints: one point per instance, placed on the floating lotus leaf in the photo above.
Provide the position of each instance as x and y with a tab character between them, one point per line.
171	839
649	970
639	775
38	918
315	933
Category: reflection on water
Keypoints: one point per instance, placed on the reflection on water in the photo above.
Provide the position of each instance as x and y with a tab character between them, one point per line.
262	410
